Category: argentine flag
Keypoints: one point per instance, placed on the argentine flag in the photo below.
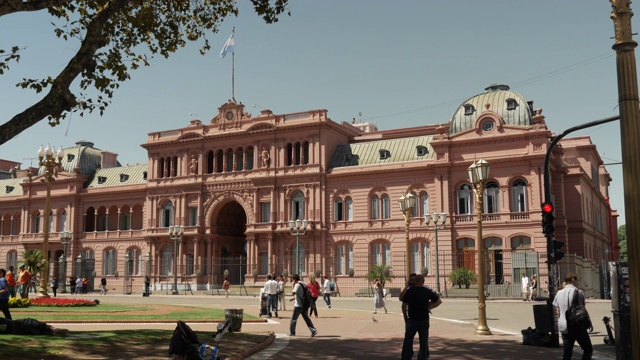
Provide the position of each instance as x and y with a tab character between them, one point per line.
228	46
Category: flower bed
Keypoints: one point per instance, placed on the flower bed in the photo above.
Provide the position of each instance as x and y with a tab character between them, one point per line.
50	302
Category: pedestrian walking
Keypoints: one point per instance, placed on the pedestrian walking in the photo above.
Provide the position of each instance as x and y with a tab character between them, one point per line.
571	333
271	290
533	289
420	301
314	287
282	282
4	294
298	309
79	285
103	285
225	287
524	283
54	286
378	297
326	291
147	285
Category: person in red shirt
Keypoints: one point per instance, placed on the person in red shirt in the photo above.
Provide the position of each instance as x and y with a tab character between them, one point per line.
11	282
314	287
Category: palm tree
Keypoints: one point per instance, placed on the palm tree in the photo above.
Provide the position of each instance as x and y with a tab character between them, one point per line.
34	261
381	272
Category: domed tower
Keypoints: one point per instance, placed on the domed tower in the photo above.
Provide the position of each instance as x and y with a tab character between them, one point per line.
497	98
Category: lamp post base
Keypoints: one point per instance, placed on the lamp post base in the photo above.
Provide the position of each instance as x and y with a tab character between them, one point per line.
43	294
175	292
483	330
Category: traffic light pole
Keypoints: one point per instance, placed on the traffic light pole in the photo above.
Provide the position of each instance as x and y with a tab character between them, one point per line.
549	235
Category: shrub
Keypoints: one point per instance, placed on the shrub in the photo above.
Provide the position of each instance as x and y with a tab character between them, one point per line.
15	302
462	276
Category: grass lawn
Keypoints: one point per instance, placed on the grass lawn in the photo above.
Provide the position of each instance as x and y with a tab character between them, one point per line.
122	344
122	313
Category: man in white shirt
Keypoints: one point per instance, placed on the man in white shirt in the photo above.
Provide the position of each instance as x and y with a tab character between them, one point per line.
271	289
525	287
326	291
570	335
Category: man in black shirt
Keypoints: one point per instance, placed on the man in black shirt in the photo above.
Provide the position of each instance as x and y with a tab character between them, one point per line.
420	300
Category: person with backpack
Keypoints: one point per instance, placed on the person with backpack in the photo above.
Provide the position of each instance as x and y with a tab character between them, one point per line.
302	302
571	333
326	291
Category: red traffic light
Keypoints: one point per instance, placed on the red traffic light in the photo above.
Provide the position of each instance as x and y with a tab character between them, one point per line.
547	208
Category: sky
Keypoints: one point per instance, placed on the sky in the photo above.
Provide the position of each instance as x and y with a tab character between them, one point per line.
396	64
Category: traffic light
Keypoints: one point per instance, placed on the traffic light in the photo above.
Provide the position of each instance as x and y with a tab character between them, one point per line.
557	254
547	219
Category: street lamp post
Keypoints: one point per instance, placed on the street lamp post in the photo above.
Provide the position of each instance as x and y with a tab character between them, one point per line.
442	217
407	204
175	234
50	160
65	239
298	227
478	174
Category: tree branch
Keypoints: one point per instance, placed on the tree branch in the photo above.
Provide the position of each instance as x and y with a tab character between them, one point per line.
14	6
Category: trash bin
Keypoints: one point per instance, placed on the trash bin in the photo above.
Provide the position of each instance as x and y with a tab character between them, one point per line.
542	316
235	315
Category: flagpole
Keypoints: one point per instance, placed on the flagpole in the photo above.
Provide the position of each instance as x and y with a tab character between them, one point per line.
233	69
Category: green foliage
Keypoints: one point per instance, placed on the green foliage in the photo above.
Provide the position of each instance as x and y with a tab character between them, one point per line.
462	276
381	272
622	241
34	261
111	39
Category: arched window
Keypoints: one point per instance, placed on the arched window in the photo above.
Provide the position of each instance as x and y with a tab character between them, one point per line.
297	206
348	206
298	262
466	255
420	257
220	161
305	152
135	261
63	220
239	159
210	158
51	225
250	158
464	199
338	210
167	261
110	261
381	254
12	259
167	214
375	210
519	196
424	203
36	223
160	168
289	154
415	211
298	153
229	160
521	243
189	264
491	198
344	257
386	207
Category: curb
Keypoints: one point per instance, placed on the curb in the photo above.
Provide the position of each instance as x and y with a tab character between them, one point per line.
257	348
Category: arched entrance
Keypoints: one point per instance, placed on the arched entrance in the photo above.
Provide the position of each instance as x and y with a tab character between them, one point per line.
230	227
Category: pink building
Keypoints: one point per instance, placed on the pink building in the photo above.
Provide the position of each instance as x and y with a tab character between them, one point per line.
235	182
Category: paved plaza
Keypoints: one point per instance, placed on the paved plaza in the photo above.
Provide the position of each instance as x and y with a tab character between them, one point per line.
349	330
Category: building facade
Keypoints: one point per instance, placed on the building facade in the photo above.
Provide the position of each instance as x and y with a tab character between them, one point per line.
235	182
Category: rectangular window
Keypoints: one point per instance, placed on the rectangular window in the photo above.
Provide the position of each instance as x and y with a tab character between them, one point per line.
12	259
415	258
518	199
36	224
424	203
341	261
426	257
265	212
14	227
193	216
349	208
230	161
190	267
250	159
464	197
167	217
377	255
386	207
264	263
491	201
110	262
337	210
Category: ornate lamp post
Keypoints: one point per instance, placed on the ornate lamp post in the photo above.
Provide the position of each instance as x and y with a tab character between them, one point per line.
175	234
442	217
407	204
50	160
65	239
478	174
298	227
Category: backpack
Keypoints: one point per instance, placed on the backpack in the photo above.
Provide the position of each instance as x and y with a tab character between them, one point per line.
332	286
577	315
306	296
